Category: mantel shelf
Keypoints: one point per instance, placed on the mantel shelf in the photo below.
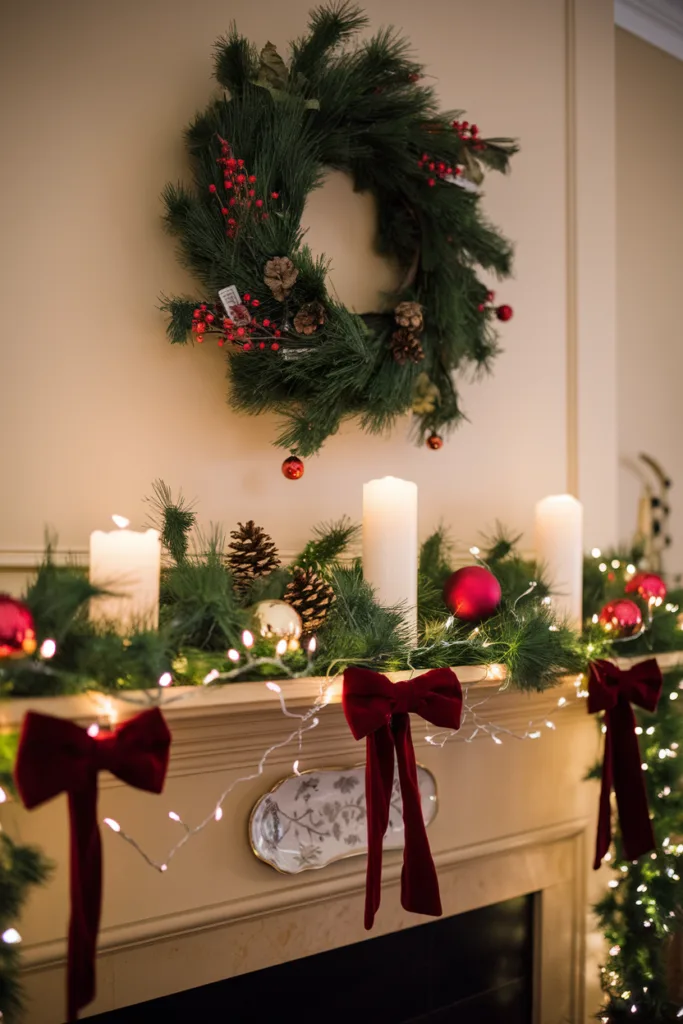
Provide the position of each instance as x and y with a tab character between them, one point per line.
234	699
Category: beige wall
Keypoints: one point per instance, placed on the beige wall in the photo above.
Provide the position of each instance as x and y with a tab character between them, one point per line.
96	403
649	272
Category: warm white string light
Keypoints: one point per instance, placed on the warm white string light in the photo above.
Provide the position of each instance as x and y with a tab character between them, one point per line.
307	721
249	662
472	718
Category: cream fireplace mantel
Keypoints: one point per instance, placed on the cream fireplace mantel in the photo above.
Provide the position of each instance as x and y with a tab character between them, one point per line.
513	818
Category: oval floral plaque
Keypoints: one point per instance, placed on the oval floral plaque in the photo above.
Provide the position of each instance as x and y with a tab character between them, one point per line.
310	820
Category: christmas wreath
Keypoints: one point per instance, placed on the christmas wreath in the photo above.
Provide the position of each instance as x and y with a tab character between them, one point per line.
256	152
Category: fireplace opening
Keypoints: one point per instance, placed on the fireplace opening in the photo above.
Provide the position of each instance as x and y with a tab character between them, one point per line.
474	968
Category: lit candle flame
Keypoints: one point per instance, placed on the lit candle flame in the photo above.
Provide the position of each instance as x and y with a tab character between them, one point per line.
121	522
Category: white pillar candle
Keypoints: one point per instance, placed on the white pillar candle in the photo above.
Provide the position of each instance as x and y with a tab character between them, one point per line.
128	564
390	544
559	549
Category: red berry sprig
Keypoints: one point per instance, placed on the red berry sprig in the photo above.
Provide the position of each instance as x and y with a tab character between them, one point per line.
468	133
238	197
503	313
242	328
436	169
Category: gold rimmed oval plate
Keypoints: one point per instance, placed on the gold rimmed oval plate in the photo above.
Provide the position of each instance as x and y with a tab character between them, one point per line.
310	820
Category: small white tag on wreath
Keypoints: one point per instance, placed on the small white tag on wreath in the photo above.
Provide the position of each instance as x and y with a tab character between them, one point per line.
230	297
289	354
465	183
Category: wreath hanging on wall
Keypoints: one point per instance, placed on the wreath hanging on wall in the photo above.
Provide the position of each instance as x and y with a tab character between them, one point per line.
256	152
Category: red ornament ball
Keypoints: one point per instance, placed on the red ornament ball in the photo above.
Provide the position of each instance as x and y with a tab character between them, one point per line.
472	593
434	441
622	617
648	585
293	468
17	631
504	313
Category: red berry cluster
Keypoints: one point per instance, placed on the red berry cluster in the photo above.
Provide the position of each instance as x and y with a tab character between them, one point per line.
436	169
239	191
242	328
503	313
490	296
469	133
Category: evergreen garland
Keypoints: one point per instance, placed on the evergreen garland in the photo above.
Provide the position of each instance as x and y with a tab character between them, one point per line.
204	611
641	915
257	151
21	867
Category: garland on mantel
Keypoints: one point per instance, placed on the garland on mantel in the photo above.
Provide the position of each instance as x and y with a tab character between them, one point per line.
257	151
212	583
210	587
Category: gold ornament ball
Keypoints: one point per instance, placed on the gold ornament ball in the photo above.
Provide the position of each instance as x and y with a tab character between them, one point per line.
276	619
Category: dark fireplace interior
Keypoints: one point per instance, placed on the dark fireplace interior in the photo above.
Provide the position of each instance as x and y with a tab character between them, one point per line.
475	968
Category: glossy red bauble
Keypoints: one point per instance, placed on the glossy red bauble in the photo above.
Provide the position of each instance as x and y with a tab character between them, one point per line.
434	442
17	631
647	585
622	617
293	468
472	593
504	313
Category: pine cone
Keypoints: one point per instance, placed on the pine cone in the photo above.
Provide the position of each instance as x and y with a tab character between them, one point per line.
252	554
280	274
311	596
409	314
310	317
406	346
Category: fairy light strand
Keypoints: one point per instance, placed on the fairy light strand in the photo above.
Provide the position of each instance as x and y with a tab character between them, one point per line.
473	720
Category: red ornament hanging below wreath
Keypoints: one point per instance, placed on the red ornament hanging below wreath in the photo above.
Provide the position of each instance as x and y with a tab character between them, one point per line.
293	467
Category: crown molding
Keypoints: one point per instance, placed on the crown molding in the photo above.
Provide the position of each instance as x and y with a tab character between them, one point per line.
659	22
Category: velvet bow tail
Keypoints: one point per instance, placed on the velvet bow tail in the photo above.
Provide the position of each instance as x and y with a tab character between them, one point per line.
56	756
621	770
379	710
614	691
419	882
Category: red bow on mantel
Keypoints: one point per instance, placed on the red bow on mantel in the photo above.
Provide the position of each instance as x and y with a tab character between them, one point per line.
56	756
379	710
613	690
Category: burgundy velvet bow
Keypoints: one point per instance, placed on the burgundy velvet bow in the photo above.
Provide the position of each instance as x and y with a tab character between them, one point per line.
379	710
614	691
56	756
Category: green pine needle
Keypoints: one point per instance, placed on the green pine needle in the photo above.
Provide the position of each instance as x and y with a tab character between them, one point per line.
174	518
